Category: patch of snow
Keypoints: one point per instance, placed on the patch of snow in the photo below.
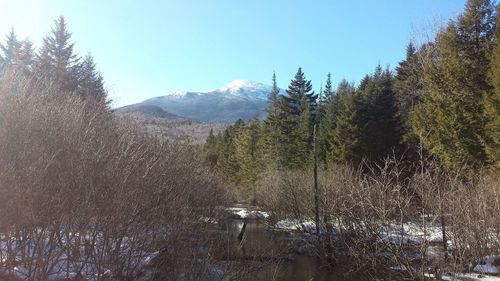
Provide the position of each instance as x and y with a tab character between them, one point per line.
466	276
246	89
418	233
486	269
236	85
58	266
308	226
178	94
288	224
244	213
209	220
486	265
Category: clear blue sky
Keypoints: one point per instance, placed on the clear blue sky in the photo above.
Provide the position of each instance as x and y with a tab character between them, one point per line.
150	48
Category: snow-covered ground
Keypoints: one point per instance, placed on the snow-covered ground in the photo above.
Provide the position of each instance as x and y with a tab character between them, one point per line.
307	226
43	258
244	213
488	265
410	233
467	277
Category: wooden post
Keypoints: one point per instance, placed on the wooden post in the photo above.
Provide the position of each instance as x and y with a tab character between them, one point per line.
316	190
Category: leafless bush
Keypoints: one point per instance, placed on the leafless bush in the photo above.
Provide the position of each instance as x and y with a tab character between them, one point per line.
376	219
85	197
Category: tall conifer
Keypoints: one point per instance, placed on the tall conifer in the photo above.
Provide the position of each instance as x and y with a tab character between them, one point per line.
451	119
56	59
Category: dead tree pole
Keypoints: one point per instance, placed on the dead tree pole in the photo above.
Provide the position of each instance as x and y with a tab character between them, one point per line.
316	190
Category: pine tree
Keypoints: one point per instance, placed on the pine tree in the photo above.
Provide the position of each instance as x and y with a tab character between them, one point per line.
91	85
326	119
377	117
344	136
16	58
451	119
56	59
246	153
408	90
408	83
302	136
272	138
210	150
292	107
10	50
492	102
328	92
300	86
228	164
273	99
323	97
26	57
320	104
286	125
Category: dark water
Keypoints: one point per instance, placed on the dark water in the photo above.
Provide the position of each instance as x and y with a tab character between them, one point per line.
278	261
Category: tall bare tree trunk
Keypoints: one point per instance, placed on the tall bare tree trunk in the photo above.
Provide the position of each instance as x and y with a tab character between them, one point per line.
316	190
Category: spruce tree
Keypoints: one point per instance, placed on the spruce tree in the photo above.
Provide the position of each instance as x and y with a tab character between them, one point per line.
292	107
492	102
247	154
326	119
16	58
343	137
9	50
298	87
377	118
56	59
302	136
26	57
272	139
210	150
91	85
273	99
408	90
451	120
323	97
228	164
328	91
408	83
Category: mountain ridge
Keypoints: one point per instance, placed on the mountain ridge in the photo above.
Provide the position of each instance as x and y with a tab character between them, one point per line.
239	99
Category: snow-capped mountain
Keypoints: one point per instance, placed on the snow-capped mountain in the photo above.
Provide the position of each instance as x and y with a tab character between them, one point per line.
238	99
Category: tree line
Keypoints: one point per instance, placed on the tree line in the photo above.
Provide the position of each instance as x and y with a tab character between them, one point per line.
55	60
441	102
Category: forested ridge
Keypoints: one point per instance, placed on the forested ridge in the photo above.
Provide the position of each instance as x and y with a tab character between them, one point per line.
441	103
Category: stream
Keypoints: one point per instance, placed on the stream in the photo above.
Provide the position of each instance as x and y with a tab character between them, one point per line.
279	263
282	254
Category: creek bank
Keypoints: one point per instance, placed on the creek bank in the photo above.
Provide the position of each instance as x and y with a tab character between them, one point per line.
298	238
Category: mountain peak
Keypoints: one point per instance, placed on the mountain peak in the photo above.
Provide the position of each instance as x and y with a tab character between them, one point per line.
240	84
246	85
239	99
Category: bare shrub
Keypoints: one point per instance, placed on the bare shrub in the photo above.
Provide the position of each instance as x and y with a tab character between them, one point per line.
387	220
86	197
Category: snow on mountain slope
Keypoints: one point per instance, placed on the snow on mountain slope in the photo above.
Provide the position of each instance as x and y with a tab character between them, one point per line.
247	89
239	99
